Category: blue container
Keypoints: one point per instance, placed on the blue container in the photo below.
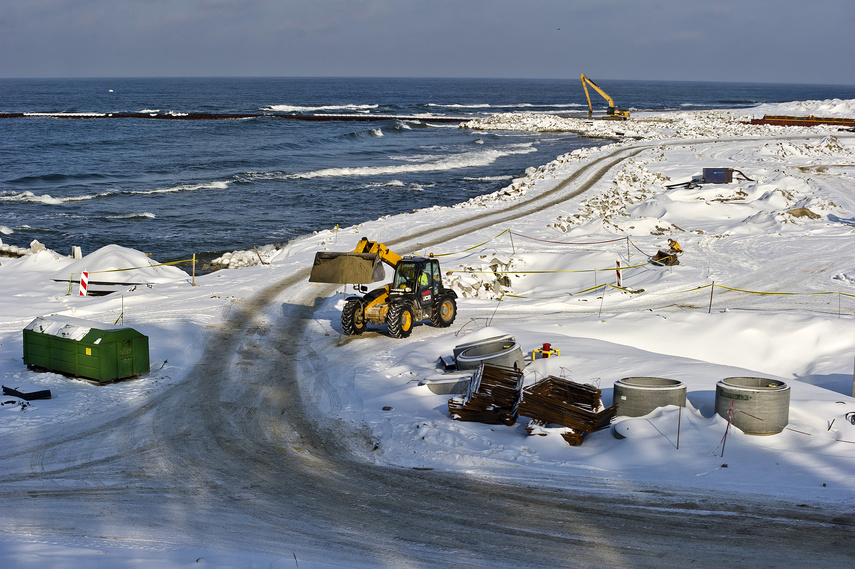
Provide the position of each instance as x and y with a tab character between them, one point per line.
718	175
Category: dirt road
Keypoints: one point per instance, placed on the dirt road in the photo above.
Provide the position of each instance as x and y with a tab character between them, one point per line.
232	459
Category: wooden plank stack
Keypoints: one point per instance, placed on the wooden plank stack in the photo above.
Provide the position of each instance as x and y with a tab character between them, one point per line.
566	403
493	396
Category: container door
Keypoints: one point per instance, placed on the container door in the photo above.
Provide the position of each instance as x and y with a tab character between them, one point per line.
126	359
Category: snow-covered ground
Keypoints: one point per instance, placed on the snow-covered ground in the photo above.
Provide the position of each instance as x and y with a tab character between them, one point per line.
765	287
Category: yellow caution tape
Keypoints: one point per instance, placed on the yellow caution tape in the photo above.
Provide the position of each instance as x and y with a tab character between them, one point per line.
135	268
782	293
550	272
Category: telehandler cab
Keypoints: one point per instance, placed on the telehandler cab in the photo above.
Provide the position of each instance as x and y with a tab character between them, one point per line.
416	292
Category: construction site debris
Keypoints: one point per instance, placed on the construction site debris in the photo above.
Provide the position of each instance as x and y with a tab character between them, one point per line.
667	258
810	120
564	402
31	396
711	176
447	383
492	397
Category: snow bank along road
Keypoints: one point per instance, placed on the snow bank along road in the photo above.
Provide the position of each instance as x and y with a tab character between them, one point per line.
235	457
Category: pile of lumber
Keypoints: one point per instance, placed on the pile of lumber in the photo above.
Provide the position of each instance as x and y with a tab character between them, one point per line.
493	396
563	402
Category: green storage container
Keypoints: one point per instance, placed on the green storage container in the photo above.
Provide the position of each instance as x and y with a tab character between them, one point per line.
83	348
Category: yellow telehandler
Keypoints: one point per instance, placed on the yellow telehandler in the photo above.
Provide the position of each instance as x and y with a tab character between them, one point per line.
416	292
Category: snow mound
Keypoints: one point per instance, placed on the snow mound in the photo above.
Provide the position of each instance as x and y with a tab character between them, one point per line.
119	264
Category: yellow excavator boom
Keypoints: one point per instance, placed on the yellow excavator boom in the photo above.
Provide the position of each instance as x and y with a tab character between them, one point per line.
611	111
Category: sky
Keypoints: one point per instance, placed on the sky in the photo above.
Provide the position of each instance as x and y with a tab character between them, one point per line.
775	41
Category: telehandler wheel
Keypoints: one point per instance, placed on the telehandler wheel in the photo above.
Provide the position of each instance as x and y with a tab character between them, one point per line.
443	312
353	317
400	321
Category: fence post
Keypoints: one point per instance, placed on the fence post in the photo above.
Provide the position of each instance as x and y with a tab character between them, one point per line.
712	288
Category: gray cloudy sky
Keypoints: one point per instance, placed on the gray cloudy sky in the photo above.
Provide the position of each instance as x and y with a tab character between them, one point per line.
780	41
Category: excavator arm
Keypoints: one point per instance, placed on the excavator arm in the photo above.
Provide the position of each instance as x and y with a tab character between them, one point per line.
611	112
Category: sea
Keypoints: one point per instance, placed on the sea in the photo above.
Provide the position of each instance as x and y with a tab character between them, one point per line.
173	188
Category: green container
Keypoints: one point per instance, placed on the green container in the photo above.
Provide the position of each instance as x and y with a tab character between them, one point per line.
83	348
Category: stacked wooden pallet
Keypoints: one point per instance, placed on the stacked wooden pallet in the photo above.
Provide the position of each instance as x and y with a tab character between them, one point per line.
493	396
567	403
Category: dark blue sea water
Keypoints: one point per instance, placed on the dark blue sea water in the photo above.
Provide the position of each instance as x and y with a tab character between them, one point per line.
177	187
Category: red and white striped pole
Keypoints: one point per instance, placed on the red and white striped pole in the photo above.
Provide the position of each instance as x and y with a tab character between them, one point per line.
84	283
617	272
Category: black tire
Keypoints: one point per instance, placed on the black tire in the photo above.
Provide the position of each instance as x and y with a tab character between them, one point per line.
443	312
400	321
353	317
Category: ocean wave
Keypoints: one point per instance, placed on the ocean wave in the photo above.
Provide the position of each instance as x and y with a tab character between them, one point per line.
143	215
47	199
6	230
303	109
398	185
460	105
445	162
389	184
182	188
487	178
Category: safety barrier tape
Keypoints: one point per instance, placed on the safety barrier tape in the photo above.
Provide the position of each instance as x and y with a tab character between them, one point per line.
550	272
779	293
71	277
564	295
782	427
134	268
470	248
628	240
565	242
515	234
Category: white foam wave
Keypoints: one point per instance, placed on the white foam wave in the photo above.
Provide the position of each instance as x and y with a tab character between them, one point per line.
389	184
6	230
461	106
183	188
303	109
488	178
143	215
452	162
47	199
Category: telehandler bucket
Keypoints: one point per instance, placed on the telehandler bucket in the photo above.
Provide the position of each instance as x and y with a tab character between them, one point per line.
347	268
